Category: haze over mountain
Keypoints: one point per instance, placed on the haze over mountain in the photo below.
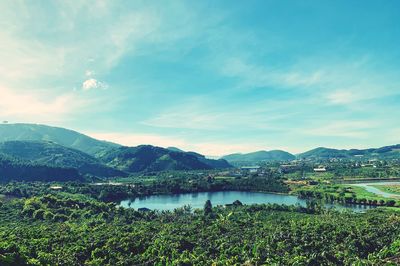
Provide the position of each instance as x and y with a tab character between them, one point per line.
62	136
259	156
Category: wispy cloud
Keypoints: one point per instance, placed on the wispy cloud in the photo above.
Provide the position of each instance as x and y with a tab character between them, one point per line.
343	83
208	115
342	128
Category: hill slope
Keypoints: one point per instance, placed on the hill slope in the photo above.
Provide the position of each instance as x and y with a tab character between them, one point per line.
52	154
147	158
62	136
259	156
386	152
13	169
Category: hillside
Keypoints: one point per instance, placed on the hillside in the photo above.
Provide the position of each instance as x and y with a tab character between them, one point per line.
52	154
147	158
13	169
62	136
386	152
259	156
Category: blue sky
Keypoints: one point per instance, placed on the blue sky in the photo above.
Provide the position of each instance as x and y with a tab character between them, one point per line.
216	77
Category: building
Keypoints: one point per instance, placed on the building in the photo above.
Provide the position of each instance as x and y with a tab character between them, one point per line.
320	169
250	169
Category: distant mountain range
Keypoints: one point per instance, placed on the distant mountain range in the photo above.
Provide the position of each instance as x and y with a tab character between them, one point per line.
28	151
387	152
40	152
259	156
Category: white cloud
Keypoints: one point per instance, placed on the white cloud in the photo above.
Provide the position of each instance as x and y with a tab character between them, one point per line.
93	84
31	106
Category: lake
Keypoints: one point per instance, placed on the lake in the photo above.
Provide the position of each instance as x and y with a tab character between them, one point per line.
197	200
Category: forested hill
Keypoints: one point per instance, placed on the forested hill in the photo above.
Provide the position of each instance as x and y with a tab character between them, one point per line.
52	154
387	152
259	156
147	158
62	136
13	169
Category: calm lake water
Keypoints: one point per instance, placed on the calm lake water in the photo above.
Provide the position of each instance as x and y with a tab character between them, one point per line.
197	200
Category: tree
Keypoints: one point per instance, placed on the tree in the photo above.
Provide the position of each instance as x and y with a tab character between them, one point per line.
207	208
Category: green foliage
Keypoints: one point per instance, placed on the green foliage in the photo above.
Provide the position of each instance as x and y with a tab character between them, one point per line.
146	158
18	170
387	152
207	208
52	154
59	230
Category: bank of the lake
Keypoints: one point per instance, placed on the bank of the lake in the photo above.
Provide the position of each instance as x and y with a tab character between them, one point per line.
197	200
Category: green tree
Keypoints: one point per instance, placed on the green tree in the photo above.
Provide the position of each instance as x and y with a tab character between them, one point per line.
207	208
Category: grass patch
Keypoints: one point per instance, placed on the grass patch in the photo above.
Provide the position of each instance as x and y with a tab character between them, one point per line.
362	193
225	177
394	189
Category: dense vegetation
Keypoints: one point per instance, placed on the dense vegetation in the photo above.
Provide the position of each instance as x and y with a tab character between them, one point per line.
64	230
387	152
161	185
52	154
146	158
17	170
345	195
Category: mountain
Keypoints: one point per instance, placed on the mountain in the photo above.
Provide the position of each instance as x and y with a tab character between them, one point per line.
214	163
147	158
386	152
175	149
52	154
62	136
259	156
13	169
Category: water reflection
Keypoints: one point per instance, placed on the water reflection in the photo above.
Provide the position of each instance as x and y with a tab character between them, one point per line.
197	200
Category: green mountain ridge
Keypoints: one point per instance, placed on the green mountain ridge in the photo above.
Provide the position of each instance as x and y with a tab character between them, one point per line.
147	158
52	154
98	152
386	152
65	137
259	156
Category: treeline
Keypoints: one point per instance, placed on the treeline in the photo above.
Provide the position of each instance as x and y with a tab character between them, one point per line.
63	230
343	198
106	192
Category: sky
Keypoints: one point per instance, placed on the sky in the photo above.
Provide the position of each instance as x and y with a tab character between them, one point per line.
216	77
